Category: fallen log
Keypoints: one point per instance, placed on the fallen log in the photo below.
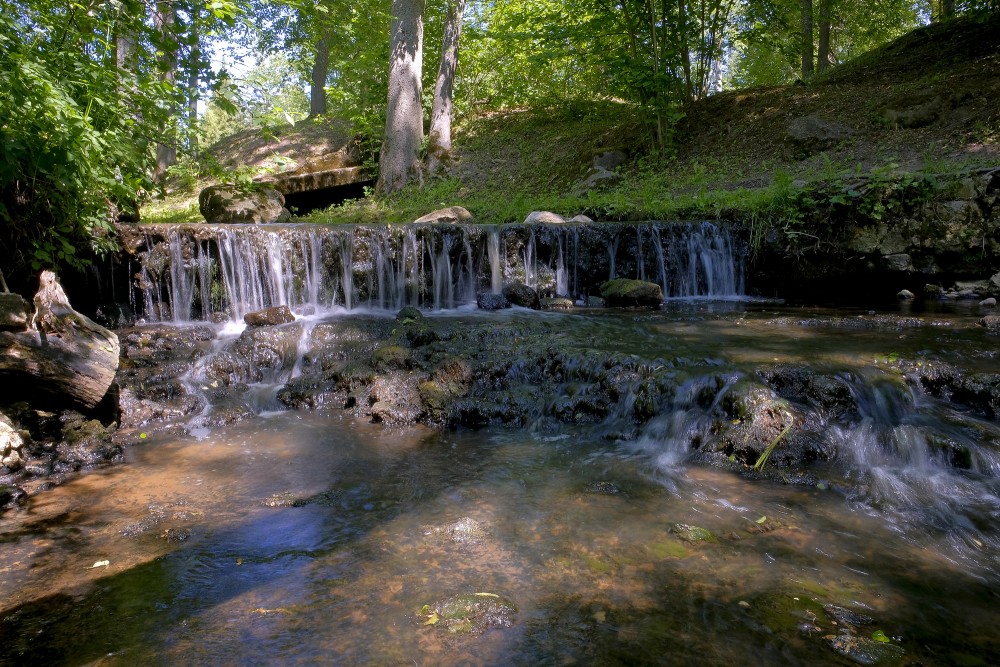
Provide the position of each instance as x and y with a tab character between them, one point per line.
63	354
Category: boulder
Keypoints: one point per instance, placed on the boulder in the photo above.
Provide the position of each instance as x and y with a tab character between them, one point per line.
490	301
610	160
581	218
597	178
914	112
229	204
626	293
11	446
905	295
14	312
544	217
992	323
450	214
63	356
409	314
991	302
811	134
556	303
519	294
269	317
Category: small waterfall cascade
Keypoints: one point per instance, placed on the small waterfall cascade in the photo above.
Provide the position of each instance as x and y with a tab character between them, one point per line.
222	272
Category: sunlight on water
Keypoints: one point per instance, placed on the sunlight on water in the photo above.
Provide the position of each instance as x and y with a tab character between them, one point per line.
312	537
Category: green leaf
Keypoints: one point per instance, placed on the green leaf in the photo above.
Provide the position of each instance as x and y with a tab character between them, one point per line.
880	636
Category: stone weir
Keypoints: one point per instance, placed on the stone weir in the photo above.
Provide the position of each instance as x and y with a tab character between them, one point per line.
218	272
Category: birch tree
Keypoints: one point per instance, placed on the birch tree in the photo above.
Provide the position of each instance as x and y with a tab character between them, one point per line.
439	136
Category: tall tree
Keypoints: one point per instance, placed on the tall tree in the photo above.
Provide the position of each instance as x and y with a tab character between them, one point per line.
823	54
320	72
194	75
807	38
439	136
404	122
165	22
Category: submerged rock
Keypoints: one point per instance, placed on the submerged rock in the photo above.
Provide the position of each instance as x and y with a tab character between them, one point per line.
865	651
471	613
693	534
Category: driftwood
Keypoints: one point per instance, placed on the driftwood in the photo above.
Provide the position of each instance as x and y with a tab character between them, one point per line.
63	354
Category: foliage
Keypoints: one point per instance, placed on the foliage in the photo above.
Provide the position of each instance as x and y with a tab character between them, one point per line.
73	143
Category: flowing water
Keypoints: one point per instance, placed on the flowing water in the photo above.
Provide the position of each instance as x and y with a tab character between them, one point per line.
311	537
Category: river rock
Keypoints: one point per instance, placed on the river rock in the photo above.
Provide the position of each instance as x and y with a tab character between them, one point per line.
269	346
519	294
490	301
863	650
829	394
905	295
408	314
991	322
544	217
471	613
229	204
446	215
556	303
395	399
269	316
11	446
582	219
990	302
626	293
86	443
14	312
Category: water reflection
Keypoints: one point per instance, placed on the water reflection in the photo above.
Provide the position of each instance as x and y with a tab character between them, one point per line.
311	537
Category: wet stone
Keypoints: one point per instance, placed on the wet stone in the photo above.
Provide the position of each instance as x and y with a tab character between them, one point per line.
693	534
175	535
865	651
465	531
470	614
603	488
846	616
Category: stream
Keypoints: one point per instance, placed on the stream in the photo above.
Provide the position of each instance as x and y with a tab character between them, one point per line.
317	537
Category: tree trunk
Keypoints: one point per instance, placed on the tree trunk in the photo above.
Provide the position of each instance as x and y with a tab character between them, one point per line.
164	20
807	39
439	137
823	59
62	356
194	70
404	121
320	70
946	10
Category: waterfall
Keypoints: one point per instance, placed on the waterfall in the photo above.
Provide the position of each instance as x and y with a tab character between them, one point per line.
192	272
493	252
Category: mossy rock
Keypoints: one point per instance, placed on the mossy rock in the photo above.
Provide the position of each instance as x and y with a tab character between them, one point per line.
409	314
693	534
627	293
392	356
470	613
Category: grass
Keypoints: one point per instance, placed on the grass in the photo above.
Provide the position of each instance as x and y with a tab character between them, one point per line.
731	158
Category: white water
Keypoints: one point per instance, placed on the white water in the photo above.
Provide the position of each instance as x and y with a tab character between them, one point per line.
226	272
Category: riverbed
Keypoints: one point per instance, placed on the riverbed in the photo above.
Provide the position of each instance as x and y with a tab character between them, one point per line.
317	537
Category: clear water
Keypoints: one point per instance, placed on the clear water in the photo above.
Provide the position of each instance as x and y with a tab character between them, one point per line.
314	538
